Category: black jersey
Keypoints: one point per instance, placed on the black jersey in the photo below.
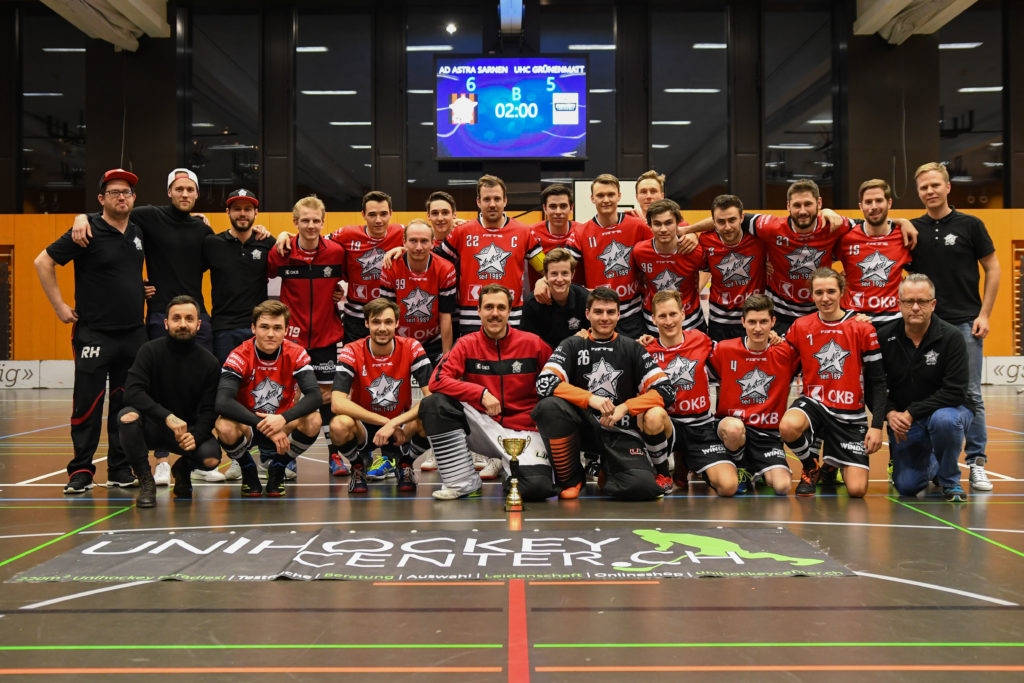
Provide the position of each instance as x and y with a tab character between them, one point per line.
238	275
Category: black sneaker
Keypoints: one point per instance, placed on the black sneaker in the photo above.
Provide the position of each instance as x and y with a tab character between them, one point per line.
251	486
182	473
79	482
124	480
275	480
147	489
593	468
357	484
829	476
406	478
808	485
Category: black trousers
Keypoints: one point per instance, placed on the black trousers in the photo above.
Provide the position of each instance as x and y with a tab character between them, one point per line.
140	436
99	356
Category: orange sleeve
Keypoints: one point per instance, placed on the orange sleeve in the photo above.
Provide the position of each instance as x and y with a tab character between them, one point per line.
651	399
574	395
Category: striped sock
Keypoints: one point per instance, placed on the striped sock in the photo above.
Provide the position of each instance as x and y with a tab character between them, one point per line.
657	448
565	456
299	443
454	463
239	449
801	447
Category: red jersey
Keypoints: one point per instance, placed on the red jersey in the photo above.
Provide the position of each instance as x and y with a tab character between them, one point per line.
794	257
685	365
737	271
364	259
489	255
308	280
676	271
549	241
381	383
754	385
267	386
833	356
874	268
507	368
605	254
422	297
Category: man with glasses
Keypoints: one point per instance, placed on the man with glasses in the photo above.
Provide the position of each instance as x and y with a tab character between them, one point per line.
929	410
108	323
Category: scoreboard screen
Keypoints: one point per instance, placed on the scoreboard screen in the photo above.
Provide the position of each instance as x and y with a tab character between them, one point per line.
511	108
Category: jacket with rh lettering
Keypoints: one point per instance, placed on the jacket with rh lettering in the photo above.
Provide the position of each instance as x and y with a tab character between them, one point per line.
506	367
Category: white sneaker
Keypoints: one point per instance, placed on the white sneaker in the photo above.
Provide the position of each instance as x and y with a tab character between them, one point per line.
233	472
479	461
429	461
291	472
979	478
213	476
492	470
162	474
452	494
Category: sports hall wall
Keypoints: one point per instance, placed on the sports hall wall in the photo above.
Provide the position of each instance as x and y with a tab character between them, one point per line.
39	335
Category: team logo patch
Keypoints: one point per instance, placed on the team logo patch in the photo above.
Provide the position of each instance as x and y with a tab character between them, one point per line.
875	270
950	240
615	258
419	306
328	271
680	372
831	359
517	367
138	244
602	380
666	279
803	262
735	269
266	397
755	386
931	358
372	263
491	262
384	392
256	254
574	323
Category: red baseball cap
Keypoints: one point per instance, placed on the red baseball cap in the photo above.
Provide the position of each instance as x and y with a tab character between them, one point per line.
242	195
118	174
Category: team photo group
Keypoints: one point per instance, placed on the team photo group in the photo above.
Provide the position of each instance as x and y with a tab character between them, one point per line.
429	345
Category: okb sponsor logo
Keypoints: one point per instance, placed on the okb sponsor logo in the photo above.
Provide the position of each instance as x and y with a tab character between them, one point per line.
439	556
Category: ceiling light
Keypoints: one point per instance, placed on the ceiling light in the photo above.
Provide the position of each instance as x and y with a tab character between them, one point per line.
670	123
311	48
361	146
791	145
426	123
655	146
958	46
600	91
420	92
986	88
995	144
328	92
820	122
203	124
595	46
594	121
428	48
349	123
693	91
451	28
42	94
992	164
63	49
961	179
709	46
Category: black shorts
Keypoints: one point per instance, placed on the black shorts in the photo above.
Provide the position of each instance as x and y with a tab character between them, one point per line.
844	440
433	350
325	363
699	444
763	451
722	331
355	328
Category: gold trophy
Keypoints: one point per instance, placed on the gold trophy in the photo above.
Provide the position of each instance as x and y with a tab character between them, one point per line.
514	447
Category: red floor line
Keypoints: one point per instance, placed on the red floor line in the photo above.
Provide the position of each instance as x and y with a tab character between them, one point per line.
81	671
518	647
786	667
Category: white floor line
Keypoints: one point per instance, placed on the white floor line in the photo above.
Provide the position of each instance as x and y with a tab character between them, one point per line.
660	521
41	429
52	474
944	589
105	589
337	522
1007	531
56	533
1004	430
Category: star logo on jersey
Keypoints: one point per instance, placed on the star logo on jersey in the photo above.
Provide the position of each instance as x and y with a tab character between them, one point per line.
384	392
327	271
256	253
735	269
491	260
950	240
931	358
680	372
372	263
803	262
875	269
755	385
574	323
419	306
517	367
831	359
666	279
266	397
616	259
602	380
138	243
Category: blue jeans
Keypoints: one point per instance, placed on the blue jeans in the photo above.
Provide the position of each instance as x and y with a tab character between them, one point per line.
225	341
932	447
977	435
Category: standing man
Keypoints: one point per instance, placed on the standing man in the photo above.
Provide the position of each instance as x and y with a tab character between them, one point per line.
482	391
873	256
310	275
661	267
169	403
237	260
372	400
441	214
108	323
256	400
951	246
735	259
929	408
423	285
604	394
493	249
650	188
566	315
553	232
842	370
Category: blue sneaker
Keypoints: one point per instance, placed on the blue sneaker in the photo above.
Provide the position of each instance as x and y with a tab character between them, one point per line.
954	494
380	468
746	482
338	466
